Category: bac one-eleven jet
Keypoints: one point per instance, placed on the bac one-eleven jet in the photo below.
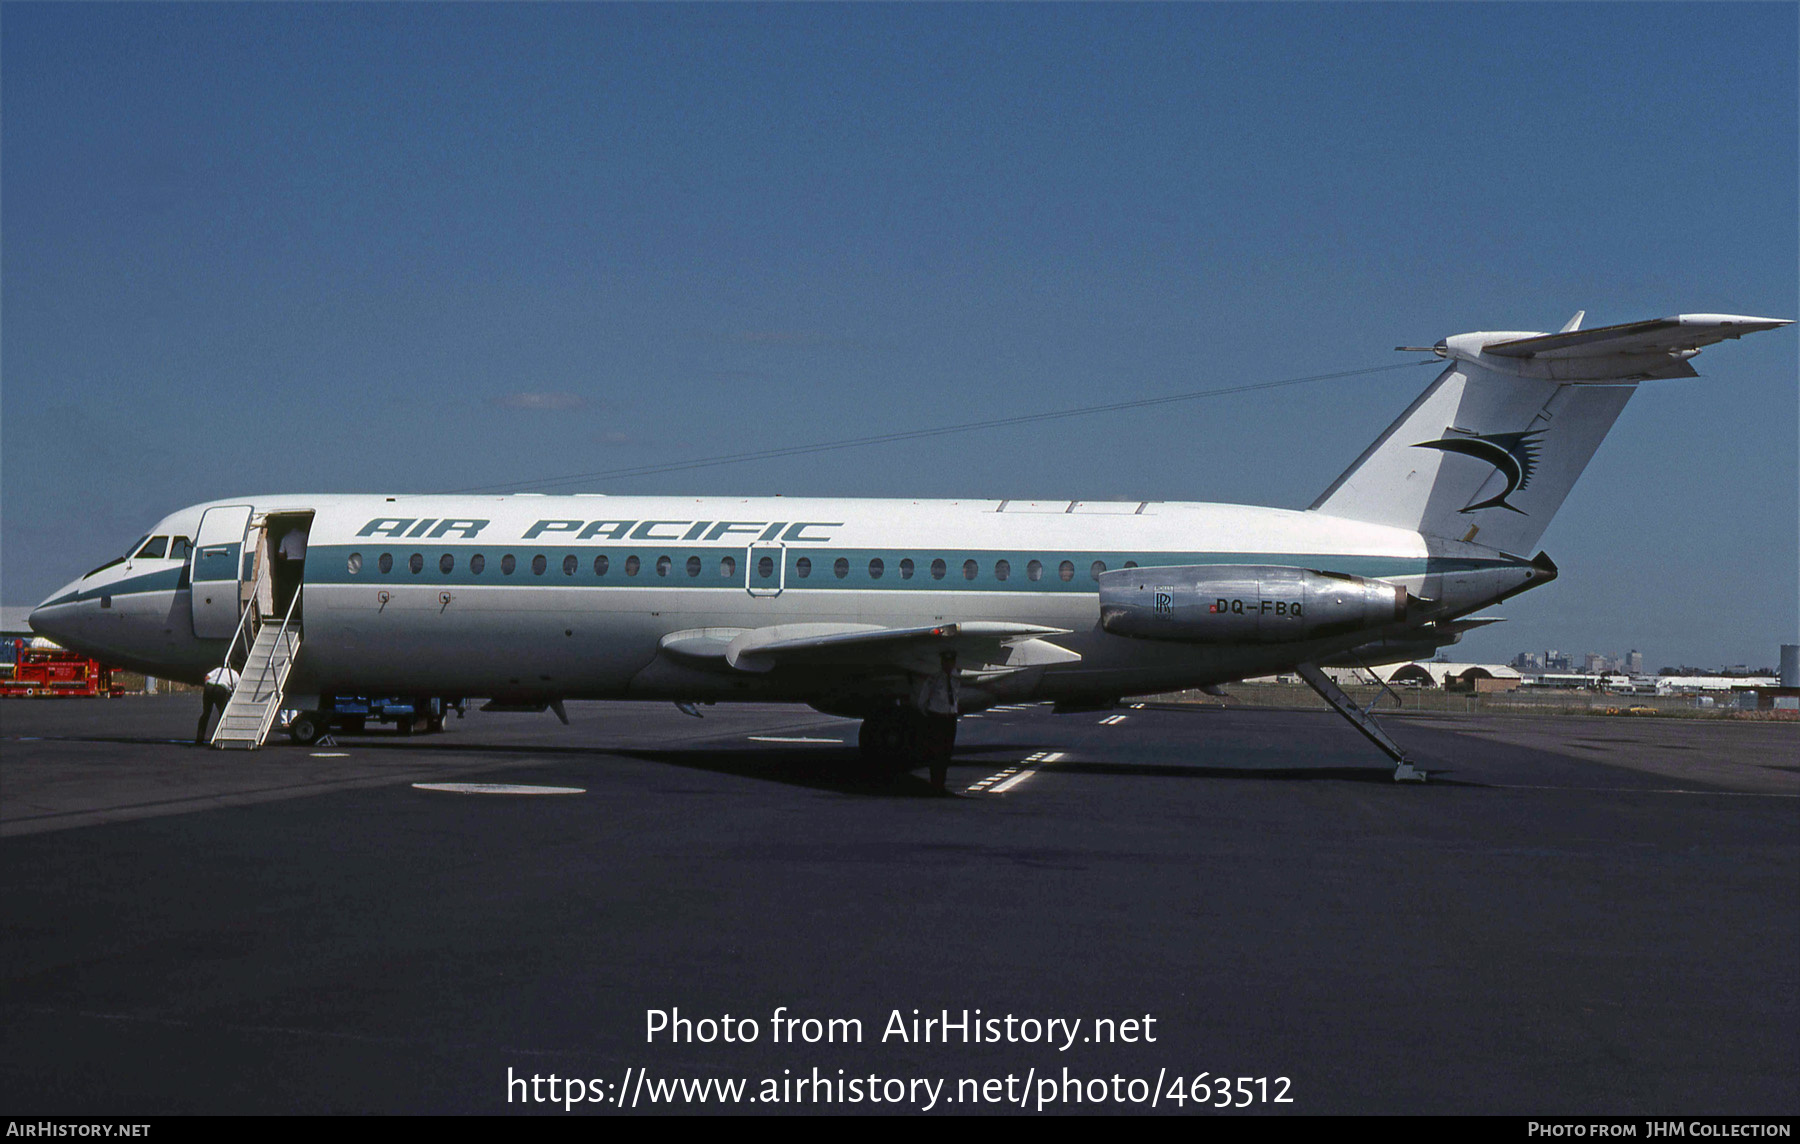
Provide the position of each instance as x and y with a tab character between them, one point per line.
900	613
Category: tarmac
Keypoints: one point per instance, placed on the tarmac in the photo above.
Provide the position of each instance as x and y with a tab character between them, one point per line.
1574	916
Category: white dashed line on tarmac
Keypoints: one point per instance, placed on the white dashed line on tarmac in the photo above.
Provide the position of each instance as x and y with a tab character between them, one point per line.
1014	775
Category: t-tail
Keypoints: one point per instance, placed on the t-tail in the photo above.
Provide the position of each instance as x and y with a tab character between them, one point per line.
1488	452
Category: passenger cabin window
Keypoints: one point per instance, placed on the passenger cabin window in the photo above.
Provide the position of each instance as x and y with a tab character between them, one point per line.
938	568
765	567
538	564
803	568
876	568
1034	571
569	563
507	564
728	567
416	562
632	564
1098	567
840	567
476	563
906	569
693	566
601	564
1002	570
970	569
355	563
154	549
1066	570
662	565
386	563
446	563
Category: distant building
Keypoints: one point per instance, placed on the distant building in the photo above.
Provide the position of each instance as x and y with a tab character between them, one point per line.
1634	662
1693	684
1480	677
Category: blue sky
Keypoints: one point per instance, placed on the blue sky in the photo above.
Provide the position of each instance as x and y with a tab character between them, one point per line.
253	248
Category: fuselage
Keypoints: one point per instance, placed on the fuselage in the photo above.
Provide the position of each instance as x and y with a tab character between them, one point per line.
541	597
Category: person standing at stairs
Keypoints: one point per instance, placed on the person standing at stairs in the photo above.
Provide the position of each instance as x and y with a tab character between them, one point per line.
221	681
290	566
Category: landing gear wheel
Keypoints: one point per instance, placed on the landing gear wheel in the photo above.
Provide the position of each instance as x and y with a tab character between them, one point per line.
307	728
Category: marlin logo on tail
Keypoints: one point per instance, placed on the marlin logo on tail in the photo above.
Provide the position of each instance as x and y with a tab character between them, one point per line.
1513	454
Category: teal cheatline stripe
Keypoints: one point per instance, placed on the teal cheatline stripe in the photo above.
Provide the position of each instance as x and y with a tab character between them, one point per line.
331	565
163	580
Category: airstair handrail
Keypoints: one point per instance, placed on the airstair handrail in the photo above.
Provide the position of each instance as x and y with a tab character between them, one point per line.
244	619
280	642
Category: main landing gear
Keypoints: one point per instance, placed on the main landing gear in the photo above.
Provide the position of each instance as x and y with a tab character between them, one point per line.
901	738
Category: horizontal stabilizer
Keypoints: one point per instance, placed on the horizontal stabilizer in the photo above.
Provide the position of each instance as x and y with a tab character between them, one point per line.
1658	335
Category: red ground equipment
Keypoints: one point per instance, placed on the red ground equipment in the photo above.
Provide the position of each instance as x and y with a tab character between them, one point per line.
39	671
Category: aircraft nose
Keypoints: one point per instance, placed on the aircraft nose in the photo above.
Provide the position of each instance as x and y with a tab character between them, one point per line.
51	618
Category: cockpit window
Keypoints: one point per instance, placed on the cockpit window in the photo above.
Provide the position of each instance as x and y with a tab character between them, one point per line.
154	549
135	545
180	547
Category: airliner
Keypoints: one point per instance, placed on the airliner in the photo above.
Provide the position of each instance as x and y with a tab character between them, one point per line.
903	614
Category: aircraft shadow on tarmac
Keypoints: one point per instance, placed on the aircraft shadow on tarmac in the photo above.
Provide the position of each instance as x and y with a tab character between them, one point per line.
839	770
842	770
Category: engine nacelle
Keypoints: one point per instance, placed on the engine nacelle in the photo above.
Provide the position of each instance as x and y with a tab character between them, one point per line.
1244	603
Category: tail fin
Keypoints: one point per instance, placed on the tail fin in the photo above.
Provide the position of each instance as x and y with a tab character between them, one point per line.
1489	451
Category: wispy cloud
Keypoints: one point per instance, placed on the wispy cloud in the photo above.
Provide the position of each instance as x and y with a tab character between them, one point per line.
544	401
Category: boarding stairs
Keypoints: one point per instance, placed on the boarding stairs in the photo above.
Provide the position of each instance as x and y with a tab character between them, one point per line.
262	681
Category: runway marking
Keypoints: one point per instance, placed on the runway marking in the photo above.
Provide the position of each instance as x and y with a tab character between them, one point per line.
331	754
498	788
1014	775
1112	720
789	739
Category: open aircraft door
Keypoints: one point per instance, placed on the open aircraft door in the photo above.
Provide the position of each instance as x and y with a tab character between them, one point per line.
218	570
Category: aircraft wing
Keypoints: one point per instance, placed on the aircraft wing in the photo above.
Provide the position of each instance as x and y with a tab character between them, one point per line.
1658	335
981	646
